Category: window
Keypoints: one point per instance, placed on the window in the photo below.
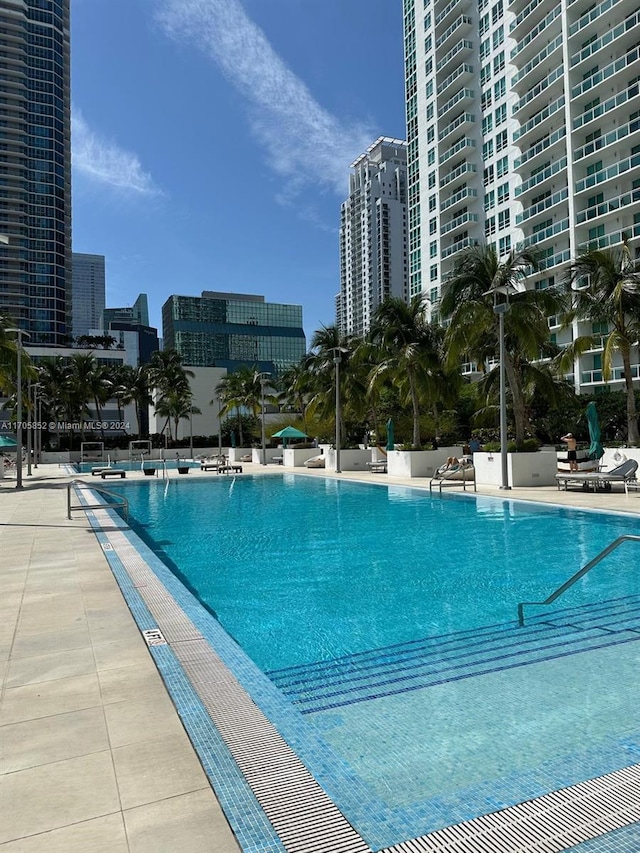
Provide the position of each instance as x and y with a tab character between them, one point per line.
428	66
595	134
498	37
490	226
504	245
433	295
487	150
485	48
501	114
500	88
502	140
427	44
487	125
485	101
431	157
594	167
431	133
594	200
504	219
488	175
432	203
497	11
489	200
503	193
433	225
596	232
541	226
498	62
433	249
591	105
484	24
433	272
502	166
432	180
429	88
485	73
600	328
429	111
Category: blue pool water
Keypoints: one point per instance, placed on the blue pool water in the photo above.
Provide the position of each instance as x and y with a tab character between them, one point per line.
303	569
336	589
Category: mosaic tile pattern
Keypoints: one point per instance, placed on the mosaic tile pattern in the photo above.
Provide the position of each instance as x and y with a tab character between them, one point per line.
557	821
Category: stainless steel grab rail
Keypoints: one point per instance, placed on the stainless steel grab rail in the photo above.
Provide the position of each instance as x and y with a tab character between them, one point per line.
124	503
565	586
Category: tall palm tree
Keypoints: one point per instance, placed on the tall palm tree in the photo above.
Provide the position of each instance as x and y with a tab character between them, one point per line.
410	354
607	290
326	343
133	387
176	405
478	279
296	388
168	376
241	390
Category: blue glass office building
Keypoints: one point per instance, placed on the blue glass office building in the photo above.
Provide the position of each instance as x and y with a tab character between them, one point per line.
35	168
233	330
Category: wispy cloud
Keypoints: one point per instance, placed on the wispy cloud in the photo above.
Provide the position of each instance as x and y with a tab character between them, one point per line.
104	162
303	142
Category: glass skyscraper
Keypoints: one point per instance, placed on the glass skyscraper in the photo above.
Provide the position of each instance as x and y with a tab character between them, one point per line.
233	330
35	168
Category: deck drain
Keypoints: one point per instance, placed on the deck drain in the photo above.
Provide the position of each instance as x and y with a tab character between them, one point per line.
154	637
107	546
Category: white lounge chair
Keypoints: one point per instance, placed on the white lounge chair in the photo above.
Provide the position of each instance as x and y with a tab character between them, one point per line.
602	480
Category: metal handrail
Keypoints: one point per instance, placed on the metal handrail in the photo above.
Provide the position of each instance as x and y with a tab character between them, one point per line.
565	586
124	503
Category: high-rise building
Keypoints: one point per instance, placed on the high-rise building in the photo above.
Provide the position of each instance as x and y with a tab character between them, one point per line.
232	330
130	327
88	289
35	168
373	235
523	128
137	313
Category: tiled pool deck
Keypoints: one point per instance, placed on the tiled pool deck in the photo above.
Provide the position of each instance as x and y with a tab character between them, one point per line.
95	758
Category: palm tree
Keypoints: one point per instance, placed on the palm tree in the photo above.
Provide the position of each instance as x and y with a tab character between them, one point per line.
325	344
296	388
240	390
176	405
133	387
168	376
410	354
8	353
612	296
469	299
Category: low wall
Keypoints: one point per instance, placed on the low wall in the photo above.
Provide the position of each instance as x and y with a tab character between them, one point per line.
524	469
350	459
419	463
294	458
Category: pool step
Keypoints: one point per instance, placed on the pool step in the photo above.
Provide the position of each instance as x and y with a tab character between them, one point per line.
425	663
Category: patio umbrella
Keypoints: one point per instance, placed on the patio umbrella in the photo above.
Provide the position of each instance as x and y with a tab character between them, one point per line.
596	451
7	441
233	439
289	432
390	435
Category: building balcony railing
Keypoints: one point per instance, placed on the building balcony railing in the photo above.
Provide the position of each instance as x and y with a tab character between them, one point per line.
546	233
609	206
539	177
463	169
462	21
606	107
448	9
606	72
554	75
465	192
613	171
535	32
541	206
522	16
540	147
458	247
466	142
608	139
604	40
613	239
537	59
594	377
591	16
463	45
458	221
460	121
459	97
539	117
555	260
464	69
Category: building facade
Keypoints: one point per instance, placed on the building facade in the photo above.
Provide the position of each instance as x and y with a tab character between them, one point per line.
373	235
523	128
35	168
138	313
232	330
88	291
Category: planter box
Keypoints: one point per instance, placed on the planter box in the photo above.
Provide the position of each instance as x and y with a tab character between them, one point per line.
294	458
524	469
270	454
350	460
419	463
183	469
149	472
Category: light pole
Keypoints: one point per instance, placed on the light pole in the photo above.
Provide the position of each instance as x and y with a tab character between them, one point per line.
263	379
220	399
19	333
29	427
191	430
337	358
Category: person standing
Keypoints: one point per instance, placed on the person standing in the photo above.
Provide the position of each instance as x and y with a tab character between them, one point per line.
572	450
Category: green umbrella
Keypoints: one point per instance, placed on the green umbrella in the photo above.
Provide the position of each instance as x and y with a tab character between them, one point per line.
390	435
7	441
289	432
596	451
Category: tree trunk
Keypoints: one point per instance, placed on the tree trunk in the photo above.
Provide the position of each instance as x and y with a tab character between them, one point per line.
517	400
633	435
416	411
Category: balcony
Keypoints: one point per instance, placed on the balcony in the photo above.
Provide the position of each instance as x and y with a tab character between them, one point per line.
458	99
526	18
609	173
540	147
458	247
542	206
595	377
541	177
462	71
457	222
614	239
611	35
609	206
555	260
533	63
605	73
461	24
539	117
463	121
465	192
527	42
607	106
552	77
463	46
592	15
457	174
459	146
606	140
545	234
442	16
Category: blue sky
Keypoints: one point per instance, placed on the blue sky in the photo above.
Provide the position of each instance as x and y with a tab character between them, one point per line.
212	140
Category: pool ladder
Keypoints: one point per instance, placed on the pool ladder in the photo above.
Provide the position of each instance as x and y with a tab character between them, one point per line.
123	503
565	586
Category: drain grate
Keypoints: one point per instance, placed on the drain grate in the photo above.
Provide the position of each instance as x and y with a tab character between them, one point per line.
154	637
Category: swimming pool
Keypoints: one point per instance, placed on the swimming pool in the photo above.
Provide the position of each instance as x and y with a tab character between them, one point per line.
424	576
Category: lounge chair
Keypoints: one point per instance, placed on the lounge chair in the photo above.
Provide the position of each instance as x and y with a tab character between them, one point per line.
601	480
